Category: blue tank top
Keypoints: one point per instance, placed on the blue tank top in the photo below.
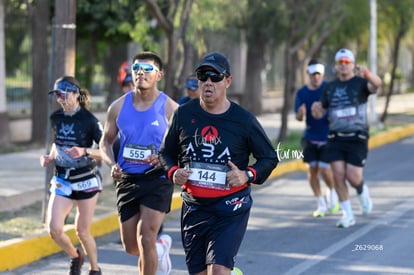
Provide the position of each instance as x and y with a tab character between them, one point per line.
140	133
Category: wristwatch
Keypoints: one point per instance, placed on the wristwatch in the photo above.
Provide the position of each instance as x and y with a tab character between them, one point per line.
87	152
250	176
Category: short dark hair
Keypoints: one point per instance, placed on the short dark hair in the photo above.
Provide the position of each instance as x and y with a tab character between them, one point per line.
314	61
149	56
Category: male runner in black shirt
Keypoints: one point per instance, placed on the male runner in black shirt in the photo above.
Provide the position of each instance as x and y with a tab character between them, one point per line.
206	151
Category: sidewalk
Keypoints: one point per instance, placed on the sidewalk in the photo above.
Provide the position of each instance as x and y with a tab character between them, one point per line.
22	180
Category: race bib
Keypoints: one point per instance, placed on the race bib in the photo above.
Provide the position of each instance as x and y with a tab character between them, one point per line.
346	112
88	185
136	154
207	175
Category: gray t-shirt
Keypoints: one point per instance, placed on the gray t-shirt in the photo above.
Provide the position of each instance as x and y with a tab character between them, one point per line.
346	102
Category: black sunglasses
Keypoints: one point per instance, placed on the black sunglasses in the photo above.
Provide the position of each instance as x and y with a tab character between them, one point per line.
214	76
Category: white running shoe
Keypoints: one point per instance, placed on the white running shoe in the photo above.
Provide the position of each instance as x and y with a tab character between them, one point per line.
345	222
163	246
365	200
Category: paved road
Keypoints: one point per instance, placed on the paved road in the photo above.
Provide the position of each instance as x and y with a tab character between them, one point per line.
283	238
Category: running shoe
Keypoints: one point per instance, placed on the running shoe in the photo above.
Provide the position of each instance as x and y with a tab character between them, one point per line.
320	212
95	272
76	264
334	209
365	200
345	222
163	246
236	271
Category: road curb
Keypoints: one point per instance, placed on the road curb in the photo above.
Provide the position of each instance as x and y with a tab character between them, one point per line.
18	252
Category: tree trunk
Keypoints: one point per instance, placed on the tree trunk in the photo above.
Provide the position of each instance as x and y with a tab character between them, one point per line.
169	63
393	72
252	96
63	63
4	121
188	58
174	36
291	59
65	38
40	85
412	66
114	57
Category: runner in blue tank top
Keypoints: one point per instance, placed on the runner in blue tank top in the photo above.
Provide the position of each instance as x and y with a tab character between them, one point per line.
314	140
140	117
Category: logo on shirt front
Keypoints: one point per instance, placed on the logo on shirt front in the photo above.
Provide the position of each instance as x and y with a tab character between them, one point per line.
155	123
66	129
340	92
207	146
209	134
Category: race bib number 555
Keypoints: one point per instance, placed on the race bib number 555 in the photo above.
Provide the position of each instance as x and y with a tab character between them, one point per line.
136	154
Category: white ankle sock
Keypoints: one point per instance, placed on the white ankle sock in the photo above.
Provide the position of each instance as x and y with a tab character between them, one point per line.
346	208
333	198
321	202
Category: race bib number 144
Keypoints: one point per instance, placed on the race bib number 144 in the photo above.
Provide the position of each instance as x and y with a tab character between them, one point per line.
206	175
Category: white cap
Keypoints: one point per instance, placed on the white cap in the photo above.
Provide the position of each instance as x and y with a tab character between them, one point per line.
316	68
344	53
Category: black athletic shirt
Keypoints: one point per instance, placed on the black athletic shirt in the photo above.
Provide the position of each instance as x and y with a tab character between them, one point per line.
81	129
195	136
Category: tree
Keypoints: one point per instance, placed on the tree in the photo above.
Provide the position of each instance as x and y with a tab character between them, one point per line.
398	17
16	13
102	39
309	24
186	25
4	122
40	72
261	22
63	53
173	34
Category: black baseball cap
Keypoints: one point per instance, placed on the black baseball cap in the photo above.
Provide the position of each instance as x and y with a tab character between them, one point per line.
217	61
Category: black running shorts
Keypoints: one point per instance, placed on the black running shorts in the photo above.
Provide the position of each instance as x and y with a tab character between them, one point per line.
154	192
80	195
212	234
313	152
354	152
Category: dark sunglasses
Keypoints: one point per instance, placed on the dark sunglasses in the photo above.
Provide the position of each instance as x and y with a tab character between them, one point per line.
61	94
214	76
146	67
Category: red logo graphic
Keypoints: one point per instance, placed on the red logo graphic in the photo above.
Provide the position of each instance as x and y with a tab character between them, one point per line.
209	133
